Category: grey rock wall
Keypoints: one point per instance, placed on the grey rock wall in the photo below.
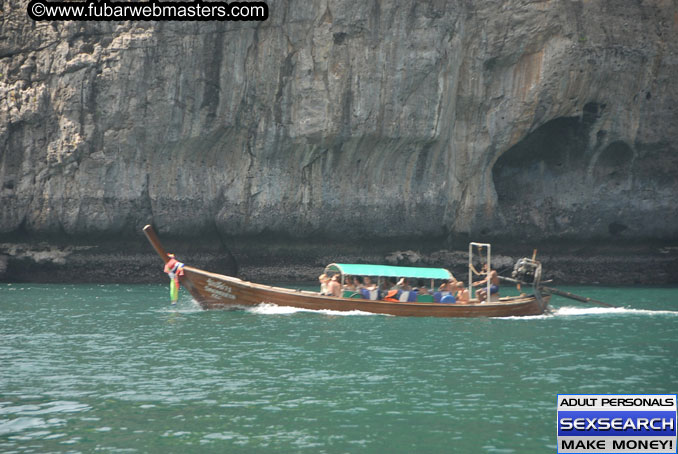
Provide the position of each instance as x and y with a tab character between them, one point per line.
361	118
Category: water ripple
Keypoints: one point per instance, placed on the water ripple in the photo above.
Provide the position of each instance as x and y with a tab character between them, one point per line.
116	369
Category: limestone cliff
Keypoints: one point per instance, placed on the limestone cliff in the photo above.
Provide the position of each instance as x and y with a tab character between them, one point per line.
370	118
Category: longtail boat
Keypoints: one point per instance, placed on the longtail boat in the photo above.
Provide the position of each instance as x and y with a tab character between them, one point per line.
218	291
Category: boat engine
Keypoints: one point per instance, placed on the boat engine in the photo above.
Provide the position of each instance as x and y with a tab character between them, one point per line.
527	270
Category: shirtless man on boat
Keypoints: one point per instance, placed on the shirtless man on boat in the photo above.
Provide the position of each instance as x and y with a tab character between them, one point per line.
462	293
334	287
494	284
449	285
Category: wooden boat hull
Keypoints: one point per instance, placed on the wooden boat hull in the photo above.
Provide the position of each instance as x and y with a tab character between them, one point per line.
216	291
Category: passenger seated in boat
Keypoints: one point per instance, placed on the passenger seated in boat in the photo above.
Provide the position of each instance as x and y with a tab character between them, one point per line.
350	288
494	284
358	283
368	284
423	294
334	287
324	280
448	286
422	289
387	285
369	290
349	284
404	284
462	293
409	296
392	295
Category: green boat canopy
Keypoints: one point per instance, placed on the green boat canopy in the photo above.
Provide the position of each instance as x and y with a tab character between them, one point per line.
388	271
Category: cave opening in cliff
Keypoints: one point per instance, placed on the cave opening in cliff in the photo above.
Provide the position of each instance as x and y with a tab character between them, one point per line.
571	179
523	172
539	180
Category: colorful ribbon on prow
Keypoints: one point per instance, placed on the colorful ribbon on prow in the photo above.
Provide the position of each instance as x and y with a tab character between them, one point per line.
174	269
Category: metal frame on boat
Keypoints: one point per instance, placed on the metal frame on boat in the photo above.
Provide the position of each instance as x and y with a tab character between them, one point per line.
217	291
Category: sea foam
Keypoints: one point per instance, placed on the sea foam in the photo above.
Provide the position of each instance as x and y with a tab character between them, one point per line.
273	309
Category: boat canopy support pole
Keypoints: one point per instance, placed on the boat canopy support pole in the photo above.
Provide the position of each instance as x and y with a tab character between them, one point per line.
488	246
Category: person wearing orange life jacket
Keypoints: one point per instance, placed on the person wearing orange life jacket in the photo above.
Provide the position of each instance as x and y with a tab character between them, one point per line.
392	295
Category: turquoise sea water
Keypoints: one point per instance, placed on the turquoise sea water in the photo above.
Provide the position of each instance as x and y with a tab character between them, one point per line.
112	368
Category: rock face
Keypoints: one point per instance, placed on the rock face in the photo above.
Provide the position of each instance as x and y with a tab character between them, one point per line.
363	118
